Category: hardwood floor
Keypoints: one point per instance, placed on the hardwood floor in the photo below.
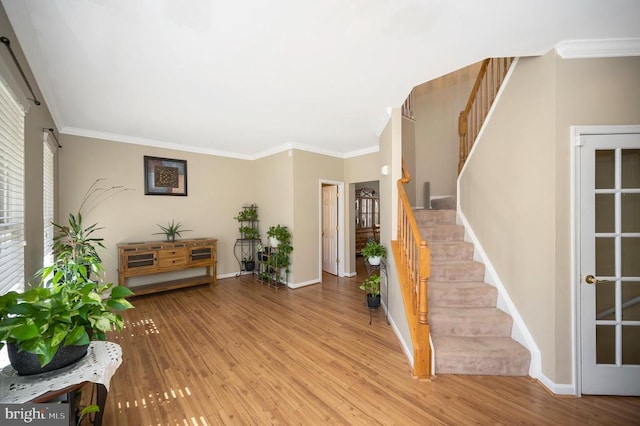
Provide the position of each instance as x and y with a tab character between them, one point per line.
242	353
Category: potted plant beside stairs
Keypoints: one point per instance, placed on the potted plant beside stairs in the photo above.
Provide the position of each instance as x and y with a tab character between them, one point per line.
373	252
371	285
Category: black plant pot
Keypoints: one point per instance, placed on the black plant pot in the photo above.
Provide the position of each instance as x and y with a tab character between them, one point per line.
26	363
249	265
373	302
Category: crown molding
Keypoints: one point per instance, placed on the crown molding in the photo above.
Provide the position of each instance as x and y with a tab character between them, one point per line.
75	131
150	142
603	48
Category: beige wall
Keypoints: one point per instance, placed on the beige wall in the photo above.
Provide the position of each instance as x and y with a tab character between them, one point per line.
273	193
217	188
519	142
37	118
437	105
523	221
588	92
285	186
308	170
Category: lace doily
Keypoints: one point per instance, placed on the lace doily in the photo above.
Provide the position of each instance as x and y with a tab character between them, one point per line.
98	366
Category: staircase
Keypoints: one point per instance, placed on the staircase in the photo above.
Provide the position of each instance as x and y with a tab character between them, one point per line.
470	335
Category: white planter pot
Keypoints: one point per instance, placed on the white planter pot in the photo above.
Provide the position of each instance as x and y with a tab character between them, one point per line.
375	260
273	242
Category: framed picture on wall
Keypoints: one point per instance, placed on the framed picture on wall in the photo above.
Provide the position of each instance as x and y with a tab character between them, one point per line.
165	176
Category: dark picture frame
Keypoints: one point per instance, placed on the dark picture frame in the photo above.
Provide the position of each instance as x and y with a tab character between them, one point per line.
165	176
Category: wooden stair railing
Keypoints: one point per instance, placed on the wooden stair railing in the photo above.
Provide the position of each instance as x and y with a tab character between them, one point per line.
490	77
412	258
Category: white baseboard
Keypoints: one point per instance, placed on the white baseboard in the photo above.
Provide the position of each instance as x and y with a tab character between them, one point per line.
303	284
520	332
229	275
555	388
405	347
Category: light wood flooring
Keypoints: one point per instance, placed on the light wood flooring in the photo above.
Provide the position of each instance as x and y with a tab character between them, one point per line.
242	353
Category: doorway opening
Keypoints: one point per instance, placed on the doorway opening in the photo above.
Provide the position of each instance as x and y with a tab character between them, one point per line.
332	228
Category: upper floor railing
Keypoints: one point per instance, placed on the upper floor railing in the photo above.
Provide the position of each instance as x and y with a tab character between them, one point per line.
490	77
407	106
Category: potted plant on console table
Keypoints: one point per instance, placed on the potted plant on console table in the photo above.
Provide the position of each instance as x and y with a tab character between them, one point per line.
172	230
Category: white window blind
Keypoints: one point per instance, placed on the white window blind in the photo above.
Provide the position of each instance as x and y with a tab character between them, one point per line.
48	153
11	192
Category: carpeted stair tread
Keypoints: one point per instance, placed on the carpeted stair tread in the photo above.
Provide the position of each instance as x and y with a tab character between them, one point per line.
480	356
474	294
442	233
470	335
457	270
451	250
491	322
426	217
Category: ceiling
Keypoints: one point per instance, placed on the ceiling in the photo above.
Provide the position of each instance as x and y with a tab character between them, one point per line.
248	78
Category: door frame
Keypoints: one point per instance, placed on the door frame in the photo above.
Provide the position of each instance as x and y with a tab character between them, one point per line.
576	133
341	226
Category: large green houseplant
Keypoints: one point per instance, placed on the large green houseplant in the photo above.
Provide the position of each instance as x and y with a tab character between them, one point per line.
70	304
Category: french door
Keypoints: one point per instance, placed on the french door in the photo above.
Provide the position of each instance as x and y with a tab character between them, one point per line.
609	261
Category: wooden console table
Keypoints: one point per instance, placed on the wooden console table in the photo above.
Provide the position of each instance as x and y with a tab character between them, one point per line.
156	257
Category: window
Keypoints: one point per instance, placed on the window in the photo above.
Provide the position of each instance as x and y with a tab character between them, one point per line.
48	152
11	192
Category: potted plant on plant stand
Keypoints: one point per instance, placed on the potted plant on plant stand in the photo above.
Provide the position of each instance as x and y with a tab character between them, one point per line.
372	286
278	234
373	252
249	233
248	264
248	214
280	254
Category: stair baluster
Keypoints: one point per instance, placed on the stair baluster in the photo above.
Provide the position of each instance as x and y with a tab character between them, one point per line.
412	257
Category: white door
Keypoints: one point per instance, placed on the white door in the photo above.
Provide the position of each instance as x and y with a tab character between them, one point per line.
609	208
330	229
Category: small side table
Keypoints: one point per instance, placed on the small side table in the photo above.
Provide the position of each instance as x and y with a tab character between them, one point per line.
98	366
382	267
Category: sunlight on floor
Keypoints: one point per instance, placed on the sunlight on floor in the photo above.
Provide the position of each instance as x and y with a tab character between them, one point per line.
140	328
161	398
